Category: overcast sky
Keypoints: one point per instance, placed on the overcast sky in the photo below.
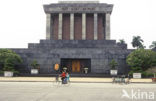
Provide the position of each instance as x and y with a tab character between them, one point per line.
24	21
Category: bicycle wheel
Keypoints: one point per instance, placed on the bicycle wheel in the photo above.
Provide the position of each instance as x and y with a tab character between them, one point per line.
68	83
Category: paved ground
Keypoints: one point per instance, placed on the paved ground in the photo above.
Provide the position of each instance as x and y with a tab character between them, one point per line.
72	79
46	91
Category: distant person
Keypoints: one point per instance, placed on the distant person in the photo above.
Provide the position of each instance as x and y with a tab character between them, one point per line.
67	76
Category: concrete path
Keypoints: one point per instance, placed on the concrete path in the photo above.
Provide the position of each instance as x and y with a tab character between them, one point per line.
72	79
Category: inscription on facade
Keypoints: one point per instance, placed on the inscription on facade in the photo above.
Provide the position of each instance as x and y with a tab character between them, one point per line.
78	8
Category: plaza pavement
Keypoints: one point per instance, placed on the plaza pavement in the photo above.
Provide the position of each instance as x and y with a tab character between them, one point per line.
46	91
72	79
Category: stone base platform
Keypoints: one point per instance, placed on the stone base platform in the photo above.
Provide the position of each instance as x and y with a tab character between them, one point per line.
99	53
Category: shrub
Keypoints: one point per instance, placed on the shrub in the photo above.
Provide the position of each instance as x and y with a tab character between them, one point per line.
35	64
113	64
144	74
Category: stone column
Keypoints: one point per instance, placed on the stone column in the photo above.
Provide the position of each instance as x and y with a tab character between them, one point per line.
71	26
107	26
48	26
83	26
60	26
95	26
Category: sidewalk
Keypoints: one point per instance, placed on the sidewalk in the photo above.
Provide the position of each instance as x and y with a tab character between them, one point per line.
72	79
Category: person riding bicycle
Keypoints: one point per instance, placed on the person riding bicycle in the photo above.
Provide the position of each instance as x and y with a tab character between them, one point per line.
63	76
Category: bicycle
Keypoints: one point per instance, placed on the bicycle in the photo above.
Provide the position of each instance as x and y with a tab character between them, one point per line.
121	80
117	80
127	81
66	82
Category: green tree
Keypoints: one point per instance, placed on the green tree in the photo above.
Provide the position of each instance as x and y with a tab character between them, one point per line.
137	42
8	59
122	41
153	45
35	64
141	60
8	65
113	64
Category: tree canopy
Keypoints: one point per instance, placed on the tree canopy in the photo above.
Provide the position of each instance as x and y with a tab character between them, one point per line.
137	42
153	45
122	41
8	59
141	60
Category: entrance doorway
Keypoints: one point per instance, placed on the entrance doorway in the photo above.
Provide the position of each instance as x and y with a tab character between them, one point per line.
75	65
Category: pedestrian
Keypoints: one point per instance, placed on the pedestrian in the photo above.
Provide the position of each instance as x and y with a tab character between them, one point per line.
67	76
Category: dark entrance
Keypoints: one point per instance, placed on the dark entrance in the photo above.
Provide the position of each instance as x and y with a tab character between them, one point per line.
76	65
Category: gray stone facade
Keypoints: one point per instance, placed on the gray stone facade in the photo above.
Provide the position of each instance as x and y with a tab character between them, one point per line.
100	52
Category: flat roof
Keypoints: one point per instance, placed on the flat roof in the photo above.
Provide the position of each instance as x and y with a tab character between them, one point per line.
78	1
78	7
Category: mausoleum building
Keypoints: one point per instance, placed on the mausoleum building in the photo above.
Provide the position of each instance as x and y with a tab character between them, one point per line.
78	36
